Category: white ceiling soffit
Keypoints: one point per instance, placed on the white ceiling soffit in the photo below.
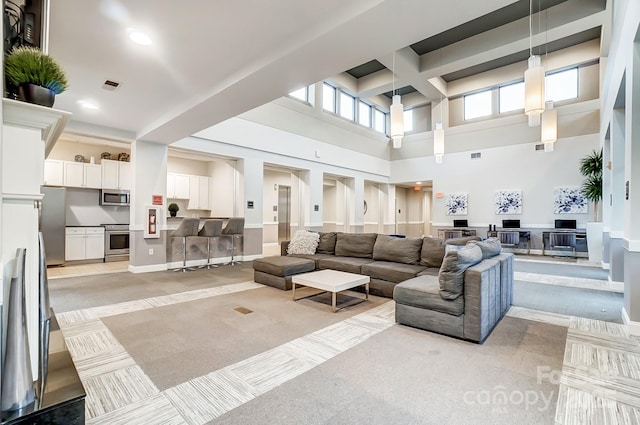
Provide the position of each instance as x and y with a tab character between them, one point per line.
210	61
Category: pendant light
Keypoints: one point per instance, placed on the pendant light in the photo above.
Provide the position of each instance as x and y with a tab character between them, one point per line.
396	112
549	128
438	142
533	81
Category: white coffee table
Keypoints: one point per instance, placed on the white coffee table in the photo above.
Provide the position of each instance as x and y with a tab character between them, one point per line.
332	281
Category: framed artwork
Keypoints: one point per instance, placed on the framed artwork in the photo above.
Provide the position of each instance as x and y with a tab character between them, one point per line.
508	202
457	204
569	200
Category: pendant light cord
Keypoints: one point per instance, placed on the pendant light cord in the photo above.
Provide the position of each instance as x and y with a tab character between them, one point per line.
393	74
530	28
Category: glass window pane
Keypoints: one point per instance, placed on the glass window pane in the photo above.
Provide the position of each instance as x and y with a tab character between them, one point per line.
347	104
379	120
477	105
364	114
408	120
300	94
328	98
562	85
511	97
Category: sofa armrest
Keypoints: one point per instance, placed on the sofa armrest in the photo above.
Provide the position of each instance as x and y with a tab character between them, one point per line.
283	247
481	299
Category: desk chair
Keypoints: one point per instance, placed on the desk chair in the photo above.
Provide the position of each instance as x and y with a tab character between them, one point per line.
509	239
210	229
450	234
563	242
188	227
234	227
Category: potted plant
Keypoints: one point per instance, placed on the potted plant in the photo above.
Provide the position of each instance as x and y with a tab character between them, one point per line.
591	169
173	209
34	76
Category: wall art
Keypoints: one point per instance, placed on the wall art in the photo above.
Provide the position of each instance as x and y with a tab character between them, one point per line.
569	200
457	204
508	202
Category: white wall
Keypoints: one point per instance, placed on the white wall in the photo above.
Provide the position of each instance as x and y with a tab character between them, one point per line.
187	166
67	150
222	188
84	209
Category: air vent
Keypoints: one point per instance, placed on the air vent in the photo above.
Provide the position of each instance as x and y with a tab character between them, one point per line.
110	85
476	155
540	147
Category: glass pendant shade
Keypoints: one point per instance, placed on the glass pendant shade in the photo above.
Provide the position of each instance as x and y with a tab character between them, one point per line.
549	128
397	121
534	90
438	143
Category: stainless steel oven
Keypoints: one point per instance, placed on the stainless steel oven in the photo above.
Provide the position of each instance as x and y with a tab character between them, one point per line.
116	242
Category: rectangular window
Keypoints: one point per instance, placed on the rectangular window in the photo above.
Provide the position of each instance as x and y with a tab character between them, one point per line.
379	120
347	105
364	114
562	85
408	120
477	105
300	94
511	97
328	98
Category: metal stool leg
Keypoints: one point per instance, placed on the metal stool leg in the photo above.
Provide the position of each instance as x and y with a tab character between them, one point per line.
184	267
233	250
209	265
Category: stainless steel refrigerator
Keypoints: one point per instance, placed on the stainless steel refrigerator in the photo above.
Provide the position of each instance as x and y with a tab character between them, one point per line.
52	223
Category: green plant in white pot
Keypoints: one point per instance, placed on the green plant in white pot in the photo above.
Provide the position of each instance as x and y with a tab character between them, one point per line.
591	169
34	76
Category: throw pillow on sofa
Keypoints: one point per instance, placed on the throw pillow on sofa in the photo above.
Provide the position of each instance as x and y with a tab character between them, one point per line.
490	247
303	242
432	252
327	244
454	264
398	250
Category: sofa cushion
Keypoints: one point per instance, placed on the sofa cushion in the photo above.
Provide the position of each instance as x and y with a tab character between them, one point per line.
345	264
314	257
451	276
393	272
490	247
424	292
303	242
283	266
359	245
429	271
327	243
462	241
398	250
432	252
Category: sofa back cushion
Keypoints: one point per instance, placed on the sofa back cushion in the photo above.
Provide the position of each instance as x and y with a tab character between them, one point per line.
327	244
359	245
462	241
432	252
490	247
399	250
454	264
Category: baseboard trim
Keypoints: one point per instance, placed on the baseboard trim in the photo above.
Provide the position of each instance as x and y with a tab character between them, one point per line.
251	257
634	327
147	269
605	266
536	252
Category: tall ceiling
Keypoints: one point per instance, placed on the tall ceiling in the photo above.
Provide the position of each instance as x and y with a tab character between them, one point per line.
213	60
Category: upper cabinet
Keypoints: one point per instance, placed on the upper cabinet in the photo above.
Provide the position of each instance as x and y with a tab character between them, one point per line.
53	172
198	193
177	186
116	174
72	174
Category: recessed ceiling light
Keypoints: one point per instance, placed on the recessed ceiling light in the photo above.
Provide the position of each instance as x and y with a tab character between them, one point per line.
418	182
88	105
140	38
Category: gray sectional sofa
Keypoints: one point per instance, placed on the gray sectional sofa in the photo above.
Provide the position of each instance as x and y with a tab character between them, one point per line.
460	287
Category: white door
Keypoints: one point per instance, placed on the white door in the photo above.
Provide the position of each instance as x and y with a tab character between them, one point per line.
93	176
74	174
124	175
182	186
203	193
94	247
109	174
74	247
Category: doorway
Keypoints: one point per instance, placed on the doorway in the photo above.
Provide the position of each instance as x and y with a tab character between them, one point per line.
284	213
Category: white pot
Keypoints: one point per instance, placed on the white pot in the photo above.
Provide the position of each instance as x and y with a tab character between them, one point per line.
594	241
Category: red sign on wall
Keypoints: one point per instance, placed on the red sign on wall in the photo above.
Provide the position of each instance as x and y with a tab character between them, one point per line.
156	199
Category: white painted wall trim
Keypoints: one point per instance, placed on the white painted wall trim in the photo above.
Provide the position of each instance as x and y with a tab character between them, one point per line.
253	226
616	234
634	327
632	245
536	252
148	269
605	266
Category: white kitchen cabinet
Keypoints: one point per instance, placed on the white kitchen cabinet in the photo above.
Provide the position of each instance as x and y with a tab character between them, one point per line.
116	174
53	172
84	243
177	186
93	176
73	174
198	193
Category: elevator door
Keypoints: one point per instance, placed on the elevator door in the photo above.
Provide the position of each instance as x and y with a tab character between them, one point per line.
284	213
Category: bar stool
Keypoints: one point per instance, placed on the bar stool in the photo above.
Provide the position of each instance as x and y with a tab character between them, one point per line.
188	227
210	229
234	227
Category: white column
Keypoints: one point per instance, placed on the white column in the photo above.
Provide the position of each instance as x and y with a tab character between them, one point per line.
616	270
251	172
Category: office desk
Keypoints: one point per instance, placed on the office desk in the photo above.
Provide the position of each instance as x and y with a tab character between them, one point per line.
525	237
581	242
465	232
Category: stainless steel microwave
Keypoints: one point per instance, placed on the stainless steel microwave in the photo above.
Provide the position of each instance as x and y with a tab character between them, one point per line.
114	197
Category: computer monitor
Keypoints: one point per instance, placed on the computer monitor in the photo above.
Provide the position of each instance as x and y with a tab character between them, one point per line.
460	223
510	224
565	224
